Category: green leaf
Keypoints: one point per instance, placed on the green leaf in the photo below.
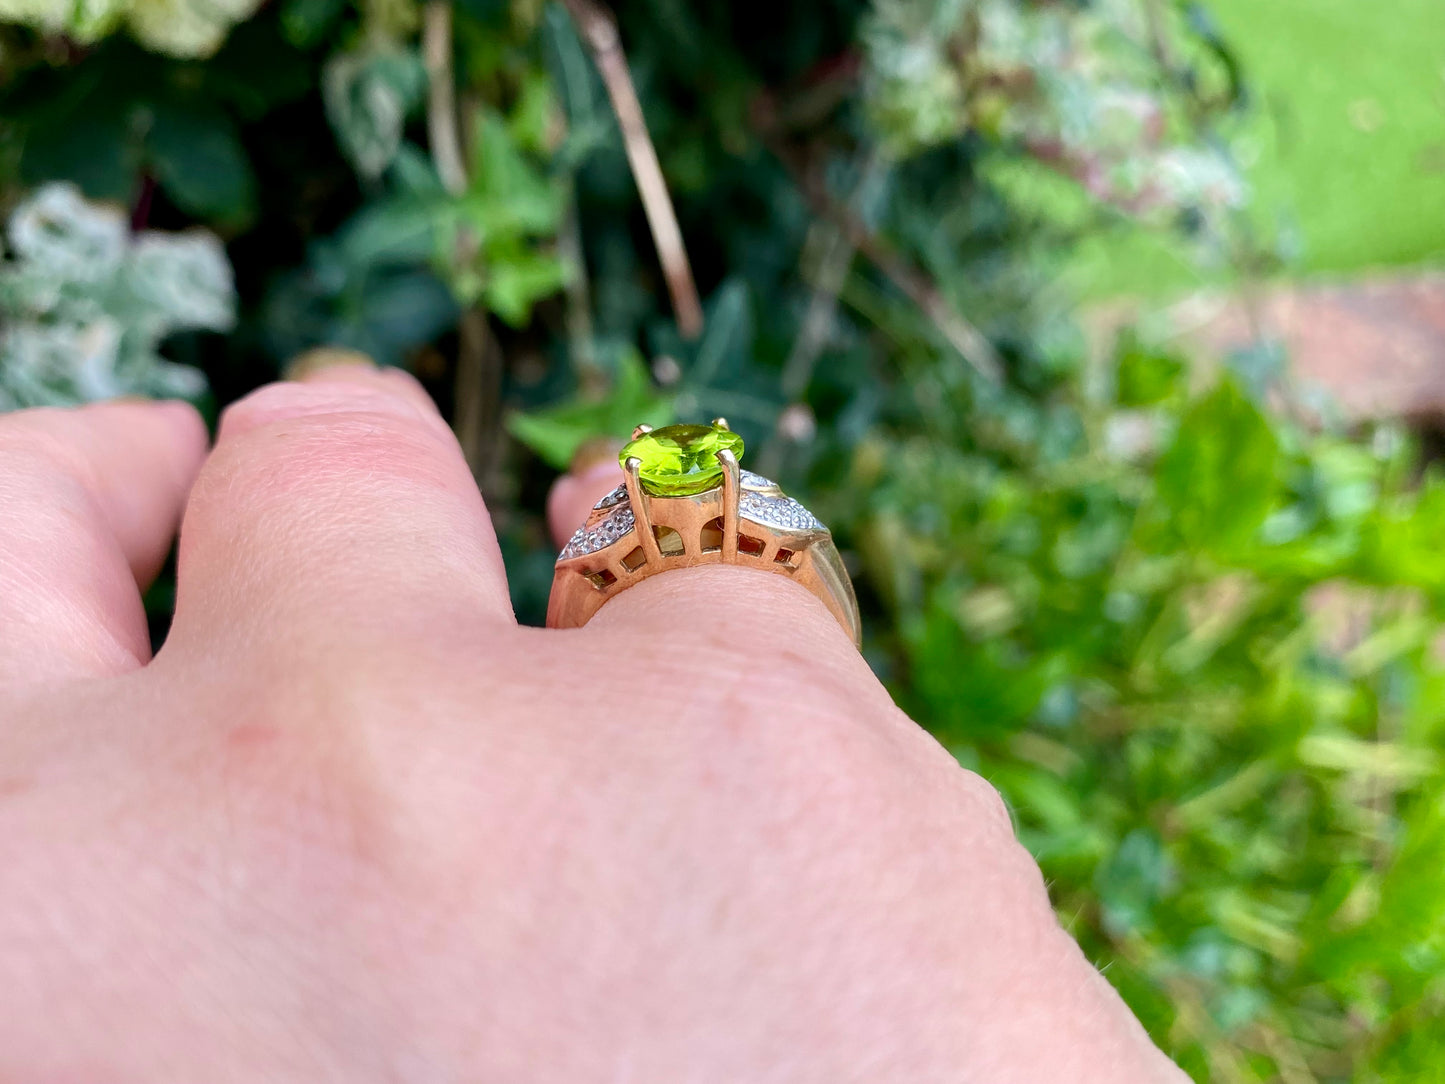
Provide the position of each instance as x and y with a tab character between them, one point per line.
1146	377
305	22
556	433
508	194
95	150
535	121
729	332
514	284
508	205
368	96
198	159
259	45
1217	480
414	174
399	311
1132	881
396	231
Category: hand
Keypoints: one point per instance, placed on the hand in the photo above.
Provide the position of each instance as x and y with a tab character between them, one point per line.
352	823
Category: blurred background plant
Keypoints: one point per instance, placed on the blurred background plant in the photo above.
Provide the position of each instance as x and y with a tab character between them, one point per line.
88	303
1180	608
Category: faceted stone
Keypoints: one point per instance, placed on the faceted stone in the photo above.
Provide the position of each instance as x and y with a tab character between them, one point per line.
679	460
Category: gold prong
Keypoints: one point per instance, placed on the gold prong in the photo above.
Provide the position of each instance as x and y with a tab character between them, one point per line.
720	423
641	512
732	497
640	430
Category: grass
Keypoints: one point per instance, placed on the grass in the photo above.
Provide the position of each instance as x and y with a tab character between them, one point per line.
1345	152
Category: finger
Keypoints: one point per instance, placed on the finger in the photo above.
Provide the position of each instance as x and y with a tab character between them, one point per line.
574	494
735	616
337	506
89	502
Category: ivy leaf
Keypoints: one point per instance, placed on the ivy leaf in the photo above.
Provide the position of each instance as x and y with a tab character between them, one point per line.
508	195
557	432
514	284
306	22
393	232
368	96
198	159
93	148
85	304
398	311
414	175
508	208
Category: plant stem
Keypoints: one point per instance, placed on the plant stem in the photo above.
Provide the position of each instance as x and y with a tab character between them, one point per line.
477	375
441	111
580	334
971	343
598	28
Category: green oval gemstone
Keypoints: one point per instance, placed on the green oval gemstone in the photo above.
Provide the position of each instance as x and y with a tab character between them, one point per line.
679	460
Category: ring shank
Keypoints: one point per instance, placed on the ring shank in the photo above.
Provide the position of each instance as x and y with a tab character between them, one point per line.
773	533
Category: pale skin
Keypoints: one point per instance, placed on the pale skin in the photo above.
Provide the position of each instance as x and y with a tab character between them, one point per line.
353	824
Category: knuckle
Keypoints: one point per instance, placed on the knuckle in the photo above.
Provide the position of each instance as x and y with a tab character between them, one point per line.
288	436
335	402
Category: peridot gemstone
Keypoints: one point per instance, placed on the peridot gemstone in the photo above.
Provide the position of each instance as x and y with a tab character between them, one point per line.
679	460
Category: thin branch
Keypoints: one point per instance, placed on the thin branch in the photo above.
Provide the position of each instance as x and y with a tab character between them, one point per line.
971	343
580	332
817	324
441	111
598	29
961	334
831	271
829	274
475	377
477	396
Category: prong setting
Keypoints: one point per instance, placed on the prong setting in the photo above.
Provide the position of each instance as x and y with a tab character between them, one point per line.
721	423
641	511
641	430
731	499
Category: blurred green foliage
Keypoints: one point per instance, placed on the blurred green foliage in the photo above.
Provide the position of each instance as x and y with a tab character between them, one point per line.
1344	148
1192	640
1203	663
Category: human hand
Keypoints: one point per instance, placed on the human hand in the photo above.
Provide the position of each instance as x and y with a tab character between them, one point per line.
353	823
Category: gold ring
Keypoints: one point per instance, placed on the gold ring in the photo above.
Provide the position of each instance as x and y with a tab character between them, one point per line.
686	502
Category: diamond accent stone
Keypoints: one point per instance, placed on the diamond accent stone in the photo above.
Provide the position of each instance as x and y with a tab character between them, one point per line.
783	512
617	496
748	480
590	540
